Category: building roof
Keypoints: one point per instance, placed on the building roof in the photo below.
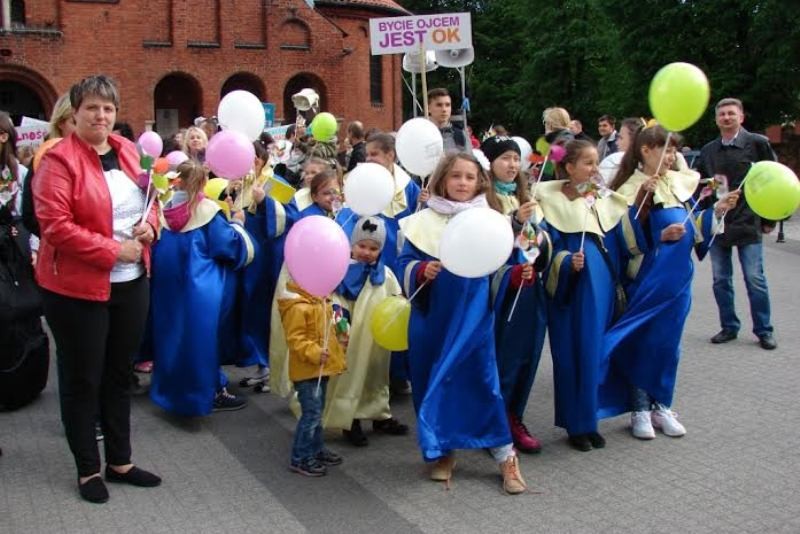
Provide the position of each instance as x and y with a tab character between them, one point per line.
387	6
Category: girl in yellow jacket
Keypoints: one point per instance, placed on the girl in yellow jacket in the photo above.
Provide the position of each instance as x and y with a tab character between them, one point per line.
314	355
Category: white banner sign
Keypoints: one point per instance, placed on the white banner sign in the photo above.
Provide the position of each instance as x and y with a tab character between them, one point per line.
444	31
32	135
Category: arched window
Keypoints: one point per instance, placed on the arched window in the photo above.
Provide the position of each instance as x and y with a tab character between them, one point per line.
17	13
376	79
295	35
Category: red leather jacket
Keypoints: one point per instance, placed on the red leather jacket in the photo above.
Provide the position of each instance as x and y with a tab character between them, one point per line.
77	249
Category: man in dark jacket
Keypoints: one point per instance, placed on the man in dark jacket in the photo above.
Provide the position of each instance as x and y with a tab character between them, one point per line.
440	108
355	133
731	156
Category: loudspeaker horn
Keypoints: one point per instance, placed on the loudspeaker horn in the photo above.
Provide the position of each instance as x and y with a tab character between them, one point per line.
412	63
459	57
306	99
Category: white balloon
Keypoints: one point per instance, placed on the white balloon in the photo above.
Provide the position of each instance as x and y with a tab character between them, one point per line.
526	149
482	159
476	243
369	189
419	146
243	112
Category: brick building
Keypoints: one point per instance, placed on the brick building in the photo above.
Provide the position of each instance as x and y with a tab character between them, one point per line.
174	59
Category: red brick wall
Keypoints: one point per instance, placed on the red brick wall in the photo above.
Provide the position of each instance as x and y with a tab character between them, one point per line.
138	42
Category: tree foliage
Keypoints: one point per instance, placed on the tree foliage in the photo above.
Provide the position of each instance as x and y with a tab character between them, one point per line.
595	56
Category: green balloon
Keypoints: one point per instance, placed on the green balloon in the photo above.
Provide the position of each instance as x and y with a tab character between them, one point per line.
146	162
324	126
772	190
679	96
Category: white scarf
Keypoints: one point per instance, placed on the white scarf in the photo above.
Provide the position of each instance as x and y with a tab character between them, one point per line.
446	206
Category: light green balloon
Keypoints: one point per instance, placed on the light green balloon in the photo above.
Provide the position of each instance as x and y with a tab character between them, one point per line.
324	126
679	96
771	190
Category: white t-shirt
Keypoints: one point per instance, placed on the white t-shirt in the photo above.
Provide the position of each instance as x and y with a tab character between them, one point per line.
127	202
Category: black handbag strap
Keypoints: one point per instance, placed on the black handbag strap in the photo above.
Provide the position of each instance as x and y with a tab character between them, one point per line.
604	251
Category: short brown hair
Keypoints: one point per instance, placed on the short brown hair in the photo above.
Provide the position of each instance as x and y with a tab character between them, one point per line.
729	102
610	119
356	129
384	141
437	92
100	85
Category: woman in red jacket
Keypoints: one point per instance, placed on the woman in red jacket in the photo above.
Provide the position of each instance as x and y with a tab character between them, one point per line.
93	261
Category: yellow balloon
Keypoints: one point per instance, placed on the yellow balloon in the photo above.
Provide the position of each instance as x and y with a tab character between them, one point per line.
772	190
160	182
542	146
679	95
213	190
389	323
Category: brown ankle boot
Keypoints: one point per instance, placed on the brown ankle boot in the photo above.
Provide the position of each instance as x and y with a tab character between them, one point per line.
513	483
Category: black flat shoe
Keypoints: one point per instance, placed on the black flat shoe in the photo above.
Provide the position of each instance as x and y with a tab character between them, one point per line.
390	426
597	441
723	336
93	490
355	435
134	477
580	442
767	342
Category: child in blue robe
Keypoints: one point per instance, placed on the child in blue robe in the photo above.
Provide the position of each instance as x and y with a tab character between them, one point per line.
589	247
197	250
644	344
454	379
519	335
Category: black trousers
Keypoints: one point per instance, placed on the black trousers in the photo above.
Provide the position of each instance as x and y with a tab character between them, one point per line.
95	345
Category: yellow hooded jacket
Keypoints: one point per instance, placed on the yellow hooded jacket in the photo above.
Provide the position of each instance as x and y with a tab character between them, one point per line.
303	323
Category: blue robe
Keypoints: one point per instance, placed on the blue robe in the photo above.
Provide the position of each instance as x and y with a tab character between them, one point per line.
644	345
519	343
190	269
268	227
454	380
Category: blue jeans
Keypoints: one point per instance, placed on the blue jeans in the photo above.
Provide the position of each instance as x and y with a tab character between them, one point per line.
308	435
751	259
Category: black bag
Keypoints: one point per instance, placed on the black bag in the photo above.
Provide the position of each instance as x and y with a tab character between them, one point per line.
24	346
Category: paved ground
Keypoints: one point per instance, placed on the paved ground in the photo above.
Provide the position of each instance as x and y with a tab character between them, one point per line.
737	470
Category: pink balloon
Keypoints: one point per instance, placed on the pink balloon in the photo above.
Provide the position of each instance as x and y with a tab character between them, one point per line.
176	157
151	144
230	154
557	153
317	254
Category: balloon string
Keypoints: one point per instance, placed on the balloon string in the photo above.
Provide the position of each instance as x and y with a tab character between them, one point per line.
585	222
415	293
324	343
658	171
539	178
724	213
691	211
149	202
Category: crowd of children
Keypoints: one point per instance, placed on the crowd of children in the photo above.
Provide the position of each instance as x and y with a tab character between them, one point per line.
600	267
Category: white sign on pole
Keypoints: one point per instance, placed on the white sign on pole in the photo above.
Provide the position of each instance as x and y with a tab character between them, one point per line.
444	31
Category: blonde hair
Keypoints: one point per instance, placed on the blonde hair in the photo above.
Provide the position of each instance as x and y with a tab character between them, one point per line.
555	118
62	111
193	179
189	131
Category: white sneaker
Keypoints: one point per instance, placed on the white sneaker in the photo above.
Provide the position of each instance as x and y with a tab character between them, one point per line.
666	420
641	426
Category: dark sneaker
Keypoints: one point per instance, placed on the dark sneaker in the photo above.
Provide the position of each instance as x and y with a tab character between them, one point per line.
400	387
328	457
309	468
355	435
597	441
767	342
228	402
98	432
580	442
390	426
724	336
